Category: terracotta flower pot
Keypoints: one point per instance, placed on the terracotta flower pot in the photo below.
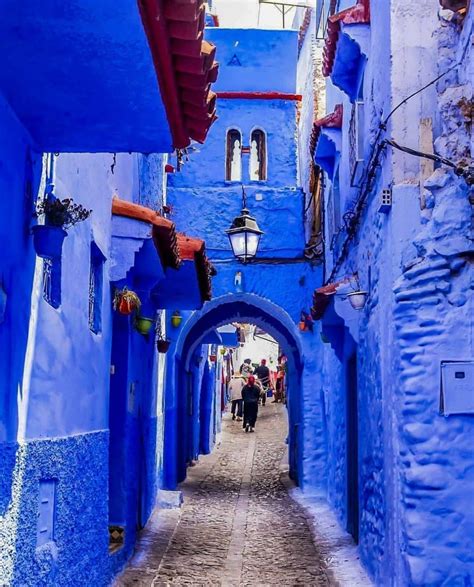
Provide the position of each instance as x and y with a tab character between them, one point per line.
125	306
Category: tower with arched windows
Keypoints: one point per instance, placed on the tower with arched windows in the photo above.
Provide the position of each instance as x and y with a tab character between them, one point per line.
252	144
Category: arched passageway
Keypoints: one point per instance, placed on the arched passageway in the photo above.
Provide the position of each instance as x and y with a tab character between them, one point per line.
182	443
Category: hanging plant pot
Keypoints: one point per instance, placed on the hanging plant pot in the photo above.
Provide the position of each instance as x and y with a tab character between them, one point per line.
144	325
126	302
223	351
176	319
163	345
48	240
125	307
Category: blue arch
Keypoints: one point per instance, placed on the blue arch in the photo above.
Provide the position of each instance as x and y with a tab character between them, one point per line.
242	307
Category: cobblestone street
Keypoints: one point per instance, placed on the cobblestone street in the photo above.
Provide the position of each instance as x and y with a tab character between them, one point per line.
238	524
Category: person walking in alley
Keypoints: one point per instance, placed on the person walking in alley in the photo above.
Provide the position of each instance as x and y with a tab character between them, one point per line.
279	385
250	395
263	374
236	385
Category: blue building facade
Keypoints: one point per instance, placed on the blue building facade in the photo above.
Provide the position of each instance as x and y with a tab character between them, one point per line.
397	374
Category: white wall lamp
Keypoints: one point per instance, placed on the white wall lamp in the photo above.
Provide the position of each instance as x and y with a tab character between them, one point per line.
357	297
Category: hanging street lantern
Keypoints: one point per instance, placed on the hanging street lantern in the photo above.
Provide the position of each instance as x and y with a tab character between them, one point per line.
244	234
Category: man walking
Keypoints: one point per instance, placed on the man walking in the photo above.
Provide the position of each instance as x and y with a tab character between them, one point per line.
250	395
236	385
263	374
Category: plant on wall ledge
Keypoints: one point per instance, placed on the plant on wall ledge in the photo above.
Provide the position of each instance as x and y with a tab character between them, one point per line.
306	322
59	215
126	301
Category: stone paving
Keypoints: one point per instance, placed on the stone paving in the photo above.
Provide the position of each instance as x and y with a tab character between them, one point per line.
238	525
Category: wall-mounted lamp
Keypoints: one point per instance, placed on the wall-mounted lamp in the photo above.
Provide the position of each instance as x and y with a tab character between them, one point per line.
358	299
176	319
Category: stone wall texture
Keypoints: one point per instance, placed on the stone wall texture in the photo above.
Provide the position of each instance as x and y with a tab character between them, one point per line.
78	553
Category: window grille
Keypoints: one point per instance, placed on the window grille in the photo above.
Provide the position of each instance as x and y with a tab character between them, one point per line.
52	282
95	289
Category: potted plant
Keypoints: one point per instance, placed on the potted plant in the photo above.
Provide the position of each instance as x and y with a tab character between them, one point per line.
59	215
126	301
163	345
176	319
144	325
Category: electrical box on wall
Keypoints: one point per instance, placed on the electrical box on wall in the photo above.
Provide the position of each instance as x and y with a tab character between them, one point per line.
457	387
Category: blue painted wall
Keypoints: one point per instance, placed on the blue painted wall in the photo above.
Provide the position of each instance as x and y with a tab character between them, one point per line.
414	464
255	61
93	49
57	427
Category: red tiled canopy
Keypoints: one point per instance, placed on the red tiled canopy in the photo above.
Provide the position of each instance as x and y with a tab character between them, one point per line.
163	230
322	296
332	120
185	65
194	249
358	14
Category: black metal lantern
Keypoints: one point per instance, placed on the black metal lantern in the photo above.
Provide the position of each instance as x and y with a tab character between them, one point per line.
244	234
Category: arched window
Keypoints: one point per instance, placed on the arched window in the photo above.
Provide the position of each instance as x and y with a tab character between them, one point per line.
258	156
233	163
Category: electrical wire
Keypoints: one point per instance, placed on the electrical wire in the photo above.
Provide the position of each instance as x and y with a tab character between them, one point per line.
467	174
378	147
432	82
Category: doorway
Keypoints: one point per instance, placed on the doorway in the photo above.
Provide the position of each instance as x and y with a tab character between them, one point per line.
352	445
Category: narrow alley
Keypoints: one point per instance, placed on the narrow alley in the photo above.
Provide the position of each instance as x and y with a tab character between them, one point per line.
238	525
208	205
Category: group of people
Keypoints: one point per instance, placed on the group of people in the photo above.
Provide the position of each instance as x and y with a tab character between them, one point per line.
248	387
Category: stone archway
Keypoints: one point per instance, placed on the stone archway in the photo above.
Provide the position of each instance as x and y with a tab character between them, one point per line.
242	307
